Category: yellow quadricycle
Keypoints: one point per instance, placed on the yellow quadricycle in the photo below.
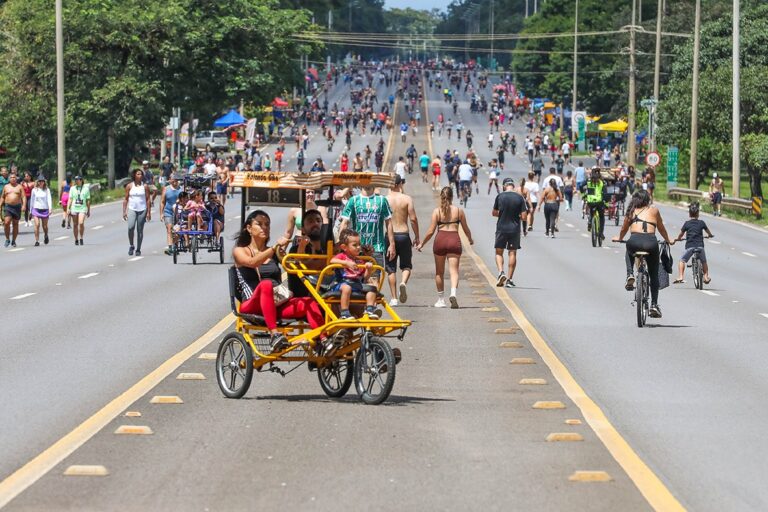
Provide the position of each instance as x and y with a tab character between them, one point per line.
341	350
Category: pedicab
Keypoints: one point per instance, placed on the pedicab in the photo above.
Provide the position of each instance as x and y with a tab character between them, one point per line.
191	237
341	351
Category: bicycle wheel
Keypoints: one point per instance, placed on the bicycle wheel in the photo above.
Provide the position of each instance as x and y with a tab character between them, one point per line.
175	250
234	365
336	378
194	250
595	230
221	249
698	273
641	297
374	370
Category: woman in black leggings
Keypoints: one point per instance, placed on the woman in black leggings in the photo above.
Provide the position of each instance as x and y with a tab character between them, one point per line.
642	221
551	198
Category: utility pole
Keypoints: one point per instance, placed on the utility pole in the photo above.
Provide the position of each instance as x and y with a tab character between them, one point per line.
491	31
535	6
632	72
526	8
61	156
330	27
574	129
736	116
111	157
692	178
656	72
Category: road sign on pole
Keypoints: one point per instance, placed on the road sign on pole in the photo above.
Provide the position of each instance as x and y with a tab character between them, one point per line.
579	120
652	159
672	156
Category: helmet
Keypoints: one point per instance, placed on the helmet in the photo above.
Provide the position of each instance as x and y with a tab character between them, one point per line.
693	208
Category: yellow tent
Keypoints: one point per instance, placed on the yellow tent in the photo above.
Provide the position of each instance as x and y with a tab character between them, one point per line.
613	126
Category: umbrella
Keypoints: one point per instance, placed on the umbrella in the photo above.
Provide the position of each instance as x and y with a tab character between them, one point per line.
229	119
279	103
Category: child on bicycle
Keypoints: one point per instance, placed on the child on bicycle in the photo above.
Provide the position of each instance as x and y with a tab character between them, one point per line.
195	208
352	275
693	229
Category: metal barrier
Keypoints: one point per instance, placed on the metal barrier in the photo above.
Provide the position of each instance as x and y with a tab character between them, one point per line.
734	203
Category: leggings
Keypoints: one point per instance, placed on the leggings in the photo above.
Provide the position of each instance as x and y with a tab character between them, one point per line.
645	242
136	222
262	303
26	210
550	213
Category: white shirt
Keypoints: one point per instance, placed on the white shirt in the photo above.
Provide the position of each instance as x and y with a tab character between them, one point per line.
40	199
566	148
209	168
137	198
400	169
558	180
533	191
465	172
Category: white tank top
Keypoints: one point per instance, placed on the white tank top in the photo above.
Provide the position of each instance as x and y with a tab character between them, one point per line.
137	198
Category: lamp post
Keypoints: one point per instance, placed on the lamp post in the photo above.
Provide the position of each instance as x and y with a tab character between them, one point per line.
61	164
692	178
575	64
736	116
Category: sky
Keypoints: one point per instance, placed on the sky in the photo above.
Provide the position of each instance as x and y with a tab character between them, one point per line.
417	4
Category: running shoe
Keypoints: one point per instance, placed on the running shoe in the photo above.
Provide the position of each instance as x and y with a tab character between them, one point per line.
81	242
130	249
655	311
393	302
509	284
372	313
7	243
440	303
454	302
77	242
630	284
277	341
138	252
345	315
501	279
37	244
46	240
13	244
403	293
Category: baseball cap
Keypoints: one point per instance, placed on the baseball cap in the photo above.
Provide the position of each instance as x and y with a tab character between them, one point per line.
714	175
145	162
78	177
508	181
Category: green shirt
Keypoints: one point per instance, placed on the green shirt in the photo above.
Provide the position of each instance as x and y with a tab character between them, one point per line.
367	216
79	198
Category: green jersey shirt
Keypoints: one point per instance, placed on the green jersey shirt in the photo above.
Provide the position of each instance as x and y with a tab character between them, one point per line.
78	199
367	216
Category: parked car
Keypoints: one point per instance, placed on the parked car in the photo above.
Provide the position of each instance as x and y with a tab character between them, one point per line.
212	141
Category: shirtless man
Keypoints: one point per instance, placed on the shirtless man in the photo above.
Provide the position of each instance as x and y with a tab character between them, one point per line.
716	194
222	182
13	201
402	212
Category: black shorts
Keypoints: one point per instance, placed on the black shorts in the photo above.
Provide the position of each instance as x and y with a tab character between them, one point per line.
424	169
403	251
13	211
507	241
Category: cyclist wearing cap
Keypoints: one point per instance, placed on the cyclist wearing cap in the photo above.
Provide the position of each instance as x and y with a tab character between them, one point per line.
594	200
510	208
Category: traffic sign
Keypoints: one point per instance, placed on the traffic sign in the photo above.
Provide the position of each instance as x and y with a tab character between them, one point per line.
652	159
672	156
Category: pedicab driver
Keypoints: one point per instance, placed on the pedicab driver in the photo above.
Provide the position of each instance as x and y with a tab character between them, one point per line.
511	209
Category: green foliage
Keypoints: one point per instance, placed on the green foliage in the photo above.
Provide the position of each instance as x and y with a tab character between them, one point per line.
128	62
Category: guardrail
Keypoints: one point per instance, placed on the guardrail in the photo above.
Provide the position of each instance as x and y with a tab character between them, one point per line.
734	203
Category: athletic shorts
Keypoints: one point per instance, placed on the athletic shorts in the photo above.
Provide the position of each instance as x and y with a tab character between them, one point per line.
221	188
507	241
717	197
403	251
689	252
13	211
424	170
464	183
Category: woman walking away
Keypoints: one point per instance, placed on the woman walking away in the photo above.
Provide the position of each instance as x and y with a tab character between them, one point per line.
642	221
136	210
568	189
42	204
446	220
64	200
551	198
27	185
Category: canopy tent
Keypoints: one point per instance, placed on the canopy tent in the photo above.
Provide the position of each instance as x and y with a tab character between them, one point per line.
279	103
614	126
229	119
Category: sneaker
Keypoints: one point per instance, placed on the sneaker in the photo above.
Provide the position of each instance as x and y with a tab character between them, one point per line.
63	223
37	244
81	242
13	244
372	313
530	228
77	242
440	303
7	243
546	234
277	341
501	279
393	302
630	284
403	293
454	302
510	284
345	315
138	252
46	240
655	311
167	251
130	250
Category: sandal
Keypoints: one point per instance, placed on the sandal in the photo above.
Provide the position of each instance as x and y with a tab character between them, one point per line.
678	281
707	281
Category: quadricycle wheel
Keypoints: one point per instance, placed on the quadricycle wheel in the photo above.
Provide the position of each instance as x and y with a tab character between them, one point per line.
336	377
374	370
234	365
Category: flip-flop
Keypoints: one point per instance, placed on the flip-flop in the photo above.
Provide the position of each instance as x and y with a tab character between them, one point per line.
707	281
678	281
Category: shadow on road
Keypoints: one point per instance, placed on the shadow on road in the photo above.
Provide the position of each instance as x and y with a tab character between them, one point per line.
351	399
668	326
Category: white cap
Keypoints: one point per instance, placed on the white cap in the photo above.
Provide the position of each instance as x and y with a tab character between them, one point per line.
145	162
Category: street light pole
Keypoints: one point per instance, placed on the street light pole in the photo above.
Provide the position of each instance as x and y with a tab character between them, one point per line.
656	73
736	117
575	65
692	178
631	115
61	164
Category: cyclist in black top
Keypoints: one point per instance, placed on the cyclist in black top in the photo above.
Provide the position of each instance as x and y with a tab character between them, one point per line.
693	230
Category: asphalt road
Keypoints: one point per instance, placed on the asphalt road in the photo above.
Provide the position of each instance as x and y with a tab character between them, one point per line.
458	433
686	390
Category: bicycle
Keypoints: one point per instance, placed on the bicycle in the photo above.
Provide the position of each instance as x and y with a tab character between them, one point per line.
697	267
593	225
642	287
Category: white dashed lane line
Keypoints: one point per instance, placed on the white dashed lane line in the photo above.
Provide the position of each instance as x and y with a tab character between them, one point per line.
17	249
745	253
764	314
714	242
96	228
585	235
136	258
61	237
23	296
88	276
710	293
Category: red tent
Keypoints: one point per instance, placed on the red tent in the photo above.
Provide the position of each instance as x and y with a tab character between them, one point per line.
279	103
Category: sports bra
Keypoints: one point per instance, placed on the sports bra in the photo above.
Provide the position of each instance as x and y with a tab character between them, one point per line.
645	223
445	223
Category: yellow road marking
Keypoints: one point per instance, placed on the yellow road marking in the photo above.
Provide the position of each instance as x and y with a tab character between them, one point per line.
160	399
493	309
533	382
495	320
648	483
207	356
511	344
549	405
132	414
190	376
522	360
556	437
83	470
136	430
484	301
573	422
506	330
33	470
590	476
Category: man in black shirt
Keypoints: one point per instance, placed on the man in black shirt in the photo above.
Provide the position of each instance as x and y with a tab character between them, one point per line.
510	208
310	241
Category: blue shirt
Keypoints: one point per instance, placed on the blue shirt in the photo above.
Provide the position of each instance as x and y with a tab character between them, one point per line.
171	196
581	175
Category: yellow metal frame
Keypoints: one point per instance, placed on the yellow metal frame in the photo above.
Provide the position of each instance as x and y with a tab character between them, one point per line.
303	340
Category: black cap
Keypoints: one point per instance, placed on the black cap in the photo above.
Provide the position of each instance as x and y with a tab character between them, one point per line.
507	181
78	177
